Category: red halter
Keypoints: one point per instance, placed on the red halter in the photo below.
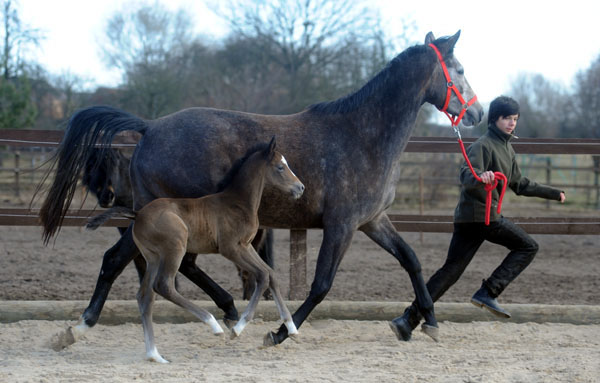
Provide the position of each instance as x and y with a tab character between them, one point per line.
455	121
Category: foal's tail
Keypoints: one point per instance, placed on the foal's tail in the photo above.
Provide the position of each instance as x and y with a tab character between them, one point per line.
116	211
88	129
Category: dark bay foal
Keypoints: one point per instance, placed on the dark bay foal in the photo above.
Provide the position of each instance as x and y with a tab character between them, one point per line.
225	222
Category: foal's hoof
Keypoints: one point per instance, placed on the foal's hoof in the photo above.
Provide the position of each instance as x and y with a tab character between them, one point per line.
432	331
229	323
269	340
401	328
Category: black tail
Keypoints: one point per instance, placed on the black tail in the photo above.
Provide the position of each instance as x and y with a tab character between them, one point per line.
117	211
88	129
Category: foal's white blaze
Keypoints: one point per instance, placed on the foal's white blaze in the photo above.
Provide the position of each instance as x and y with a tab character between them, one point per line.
283	161
214	325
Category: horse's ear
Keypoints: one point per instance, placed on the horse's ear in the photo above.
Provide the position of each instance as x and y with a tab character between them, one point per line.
452	42
429	38
271	149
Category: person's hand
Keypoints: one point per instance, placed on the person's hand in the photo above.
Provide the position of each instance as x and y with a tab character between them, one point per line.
487	177
562	197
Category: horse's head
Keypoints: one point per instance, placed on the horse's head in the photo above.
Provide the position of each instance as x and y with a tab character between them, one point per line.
449	90
108	180
279	174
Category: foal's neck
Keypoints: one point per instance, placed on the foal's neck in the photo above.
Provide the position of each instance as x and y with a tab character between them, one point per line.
246	188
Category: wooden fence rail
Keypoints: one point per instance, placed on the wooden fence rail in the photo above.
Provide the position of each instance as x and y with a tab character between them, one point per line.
403	223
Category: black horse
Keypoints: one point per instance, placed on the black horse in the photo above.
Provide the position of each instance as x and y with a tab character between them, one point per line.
347	151
106	176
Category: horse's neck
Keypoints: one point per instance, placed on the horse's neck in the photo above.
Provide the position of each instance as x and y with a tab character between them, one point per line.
388	116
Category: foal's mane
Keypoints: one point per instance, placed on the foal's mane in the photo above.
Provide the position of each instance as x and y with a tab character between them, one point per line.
237	165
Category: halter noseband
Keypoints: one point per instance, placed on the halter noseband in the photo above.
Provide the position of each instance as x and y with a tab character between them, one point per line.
455	121
450	88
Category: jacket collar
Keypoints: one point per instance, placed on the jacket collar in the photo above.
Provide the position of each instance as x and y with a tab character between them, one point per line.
497	133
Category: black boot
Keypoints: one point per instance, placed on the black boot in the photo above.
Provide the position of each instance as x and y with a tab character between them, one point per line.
483	298
405	324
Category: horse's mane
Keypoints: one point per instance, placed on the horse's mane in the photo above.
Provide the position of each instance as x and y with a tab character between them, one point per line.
235	168
388	74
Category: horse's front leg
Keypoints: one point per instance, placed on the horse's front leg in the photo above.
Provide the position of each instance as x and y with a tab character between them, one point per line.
337	238
220	296
385	235
114	261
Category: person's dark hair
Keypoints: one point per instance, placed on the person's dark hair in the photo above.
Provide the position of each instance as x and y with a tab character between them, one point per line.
501	107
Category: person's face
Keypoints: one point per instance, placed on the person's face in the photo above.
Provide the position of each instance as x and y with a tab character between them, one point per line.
507	124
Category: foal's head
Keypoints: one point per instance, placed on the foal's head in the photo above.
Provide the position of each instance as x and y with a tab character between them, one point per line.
276	170
279	174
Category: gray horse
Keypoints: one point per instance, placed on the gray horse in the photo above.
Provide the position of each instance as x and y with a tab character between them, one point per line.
347	152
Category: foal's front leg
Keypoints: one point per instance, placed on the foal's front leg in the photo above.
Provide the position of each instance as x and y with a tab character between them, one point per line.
247	259
385	235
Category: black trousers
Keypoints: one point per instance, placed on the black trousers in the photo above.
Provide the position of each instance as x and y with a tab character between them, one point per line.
466	240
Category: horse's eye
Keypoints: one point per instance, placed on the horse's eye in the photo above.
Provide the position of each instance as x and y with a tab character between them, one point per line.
461	71
280	168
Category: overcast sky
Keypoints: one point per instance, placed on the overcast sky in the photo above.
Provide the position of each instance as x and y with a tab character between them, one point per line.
499	39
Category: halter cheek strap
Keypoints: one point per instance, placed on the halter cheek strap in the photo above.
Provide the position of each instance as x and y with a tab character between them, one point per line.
455	121
451	87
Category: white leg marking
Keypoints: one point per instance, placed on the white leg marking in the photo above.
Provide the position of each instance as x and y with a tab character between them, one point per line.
239	327
214	325
291	327
154	356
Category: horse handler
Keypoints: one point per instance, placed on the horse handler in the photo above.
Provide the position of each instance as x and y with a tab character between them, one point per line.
491	153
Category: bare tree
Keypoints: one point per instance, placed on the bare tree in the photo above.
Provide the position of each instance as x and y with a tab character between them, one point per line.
309	40
587	95
16	107
543	106
147	44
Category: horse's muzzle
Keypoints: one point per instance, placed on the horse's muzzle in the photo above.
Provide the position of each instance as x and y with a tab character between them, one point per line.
297	190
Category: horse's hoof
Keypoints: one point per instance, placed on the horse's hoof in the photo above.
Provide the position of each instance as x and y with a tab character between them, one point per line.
401	328
63	339
269	340
432	331
229	323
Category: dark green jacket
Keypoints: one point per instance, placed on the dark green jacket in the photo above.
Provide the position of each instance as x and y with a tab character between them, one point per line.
493	151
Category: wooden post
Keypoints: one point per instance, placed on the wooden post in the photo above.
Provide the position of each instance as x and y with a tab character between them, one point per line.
548	177
17	173
297	264
421	200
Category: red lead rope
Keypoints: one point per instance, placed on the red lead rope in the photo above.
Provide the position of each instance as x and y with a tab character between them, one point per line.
488	187
454	121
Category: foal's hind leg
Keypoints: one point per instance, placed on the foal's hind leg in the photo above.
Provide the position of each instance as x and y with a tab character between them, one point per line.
145	298
385	235
164	284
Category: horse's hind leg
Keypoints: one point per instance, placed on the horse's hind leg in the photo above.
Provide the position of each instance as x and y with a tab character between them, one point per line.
263	244
114	261
385	235
221	297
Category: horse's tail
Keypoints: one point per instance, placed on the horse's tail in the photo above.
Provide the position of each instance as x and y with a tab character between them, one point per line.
88	129
116	211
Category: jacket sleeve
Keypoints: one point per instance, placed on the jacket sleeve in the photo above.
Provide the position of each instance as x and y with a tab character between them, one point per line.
526	187
479	157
